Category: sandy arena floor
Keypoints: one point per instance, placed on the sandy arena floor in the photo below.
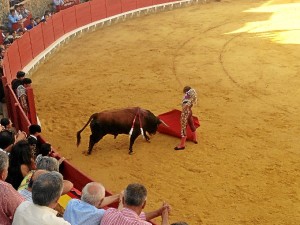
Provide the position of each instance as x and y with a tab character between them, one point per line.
242	56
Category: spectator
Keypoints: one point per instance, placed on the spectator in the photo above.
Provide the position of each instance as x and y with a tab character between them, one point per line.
22	94
17	81
10	199
2	52
34	132
24	12
86	210
37	20
45	18
27	192
57	4
46	150
7	139
49	164
20	163
46	191
134	201
12	18
8	43
7	124
18	12
32	24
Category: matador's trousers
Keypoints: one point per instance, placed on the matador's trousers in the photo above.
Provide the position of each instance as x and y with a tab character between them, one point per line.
186	119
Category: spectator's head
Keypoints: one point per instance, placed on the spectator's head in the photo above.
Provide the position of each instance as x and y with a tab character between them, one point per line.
179	223
47	189
135	195
17	8
186	89
7	43
93	193
12	12
47	12
46	17
26	82
48	163
45	149
2	52
37	20
21	75
6	123
32	21
22	6
35	129
3	165
34	176
20	154
7	138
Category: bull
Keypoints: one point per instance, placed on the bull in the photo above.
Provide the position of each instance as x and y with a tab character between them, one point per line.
133	121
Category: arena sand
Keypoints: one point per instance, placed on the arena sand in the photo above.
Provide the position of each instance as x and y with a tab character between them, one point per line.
242	56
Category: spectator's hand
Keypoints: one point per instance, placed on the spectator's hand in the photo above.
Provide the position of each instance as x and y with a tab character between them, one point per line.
164	209
21	135
61	160
165	214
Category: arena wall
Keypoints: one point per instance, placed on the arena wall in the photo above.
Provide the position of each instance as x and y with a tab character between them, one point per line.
39	43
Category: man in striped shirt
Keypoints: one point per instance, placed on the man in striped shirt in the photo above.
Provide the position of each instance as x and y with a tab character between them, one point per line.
130	209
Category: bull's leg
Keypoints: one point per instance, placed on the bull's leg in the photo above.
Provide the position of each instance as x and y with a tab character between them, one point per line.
132	139
147	137
93	140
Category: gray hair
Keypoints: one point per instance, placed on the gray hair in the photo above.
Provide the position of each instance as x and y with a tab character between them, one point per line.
48	163
135	195
47	188
93	193
3	161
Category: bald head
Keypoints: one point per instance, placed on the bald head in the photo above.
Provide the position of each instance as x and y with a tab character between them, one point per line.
35	175
93	193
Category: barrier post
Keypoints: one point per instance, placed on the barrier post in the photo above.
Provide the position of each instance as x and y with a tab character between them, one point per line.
7	96
15	117
31	105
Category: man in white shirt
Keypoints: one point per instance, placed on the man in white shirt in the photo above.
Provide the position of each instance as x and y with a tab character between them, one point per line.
46	191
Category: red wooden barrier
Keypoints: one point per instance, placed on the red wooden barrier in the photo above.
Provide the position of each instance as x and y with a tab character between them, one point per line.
58	27
156	2
143	3
128	5
13	56
98	9
83	14
1	38
47	31
36	40
6	69
25	49
69	19
31	105
113	7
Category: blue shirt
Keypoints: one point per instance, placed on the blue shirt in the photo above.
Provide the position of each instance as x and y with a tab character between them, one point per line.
82	213
12	19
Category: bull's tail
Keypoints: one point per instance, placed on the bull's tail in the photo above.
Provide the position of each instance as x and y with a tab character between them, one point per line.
79	132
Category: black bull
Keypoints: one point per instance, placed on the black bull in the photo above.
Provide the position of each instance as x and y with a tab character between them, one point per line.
135	121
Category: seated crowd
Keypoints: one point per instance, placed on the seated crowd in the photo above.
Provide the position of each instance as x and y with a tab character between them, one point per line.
31	186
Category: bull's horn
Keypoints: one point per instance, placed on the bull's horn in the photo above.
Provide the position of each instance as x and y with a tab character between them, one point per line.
163	123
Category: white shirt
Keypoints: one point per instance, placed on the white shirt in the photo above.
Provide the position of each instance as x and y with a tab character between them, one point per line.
29	213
